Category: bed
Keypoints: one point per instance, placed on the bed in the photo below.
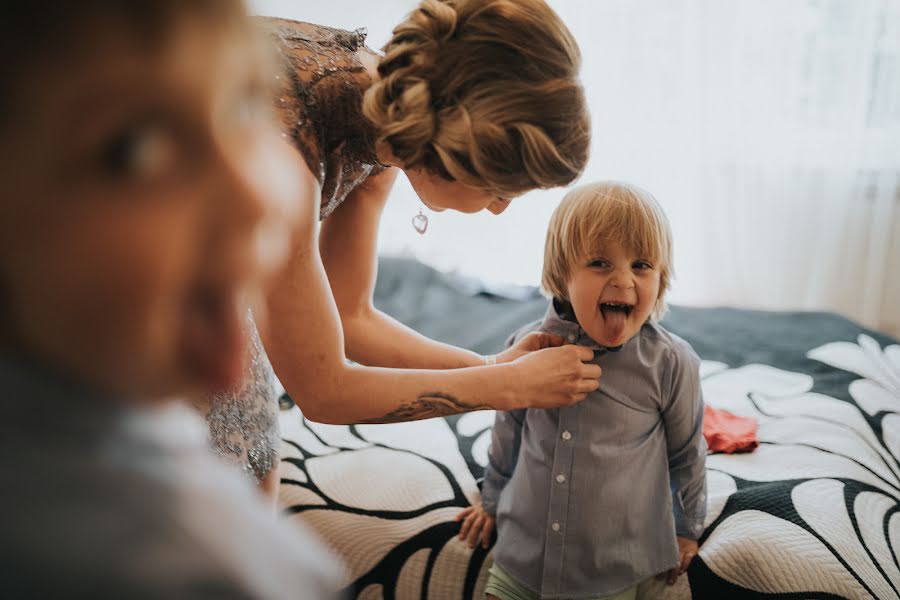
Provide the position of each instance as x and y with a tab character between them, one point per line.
814	512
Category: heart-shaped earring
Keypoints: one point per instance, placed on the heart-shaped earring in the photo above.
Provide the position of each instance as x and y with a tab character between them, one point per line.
420	222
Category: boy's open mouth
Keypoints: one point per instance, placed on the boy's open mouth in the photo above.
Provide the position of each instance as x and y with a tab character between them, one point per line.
615	307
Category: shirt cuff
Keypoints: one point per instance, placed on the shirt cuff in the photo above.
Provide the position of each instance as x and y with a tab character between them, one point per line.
489	498
489	504
689	527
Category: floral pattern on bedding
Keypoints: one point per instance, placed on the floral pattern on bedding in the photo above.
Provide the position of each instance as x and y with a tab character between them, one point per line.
814	512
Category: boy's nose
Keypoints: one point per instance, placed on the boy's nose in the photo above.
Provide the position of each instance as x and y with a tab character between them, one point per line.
622	279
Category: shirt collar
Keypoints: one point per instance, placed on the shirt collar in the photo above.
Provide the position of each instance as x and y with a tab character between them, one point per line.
554	322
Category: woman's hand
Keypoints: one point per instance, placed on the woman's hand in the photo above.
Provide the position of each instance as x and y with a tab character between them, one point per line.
476	525
687	550
535	340
553	377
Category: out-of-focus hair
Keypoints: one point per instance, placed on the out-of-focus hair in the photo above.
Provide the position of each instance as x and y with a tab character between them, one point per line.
38	33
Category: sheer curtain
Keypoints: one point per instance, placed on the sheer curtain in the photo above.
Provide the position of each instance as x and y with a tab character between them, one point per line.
768	129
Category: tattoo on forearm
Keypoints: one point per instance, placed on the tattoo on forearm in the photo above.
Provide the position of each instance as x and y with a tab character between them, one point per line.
426	406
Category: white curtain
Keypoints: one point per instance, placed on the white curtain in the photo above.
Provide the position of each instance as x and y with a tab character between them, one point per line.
768	129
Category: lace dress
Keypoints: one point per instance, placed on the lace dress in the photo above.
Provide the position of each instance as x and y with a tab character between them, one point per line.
321	84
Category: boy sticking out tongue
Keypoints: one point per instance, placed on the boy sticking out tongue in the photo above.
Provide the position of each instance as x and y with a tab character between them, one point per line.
605	498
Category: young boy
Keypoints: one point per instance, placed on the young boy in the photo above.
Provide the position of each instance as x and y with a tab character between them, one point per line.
136	162
592	500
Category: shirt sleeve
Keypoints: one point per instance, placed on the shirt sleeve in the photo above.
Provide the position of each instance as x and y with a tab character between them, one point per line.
506	438
686	446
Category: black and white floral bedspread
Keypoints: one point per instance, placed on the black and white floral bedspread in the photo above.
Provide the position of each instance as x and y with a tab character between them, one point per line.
814	512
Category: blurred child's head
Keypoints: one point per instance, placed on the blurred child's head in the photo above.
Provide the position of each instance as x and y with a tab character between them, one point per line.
609	253
141	177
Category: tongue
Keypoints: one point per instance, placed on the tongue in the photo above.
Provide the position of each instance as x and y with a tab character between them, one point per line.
614	320
214	341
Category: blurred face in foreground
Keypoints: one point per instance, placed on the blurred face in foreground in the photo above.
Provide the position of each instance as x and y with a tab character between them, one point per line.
148	199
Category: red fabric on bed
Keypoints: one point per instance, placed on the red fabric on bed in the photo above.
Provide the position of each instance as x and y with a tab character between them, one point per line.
728	433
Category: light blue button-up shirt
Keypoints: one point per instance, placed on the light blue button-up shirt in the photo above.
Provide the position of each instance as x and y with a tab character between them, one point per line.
589	498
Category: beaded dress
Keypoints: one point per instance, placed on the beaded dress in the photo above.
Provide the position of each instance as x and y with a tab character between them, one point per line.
320	85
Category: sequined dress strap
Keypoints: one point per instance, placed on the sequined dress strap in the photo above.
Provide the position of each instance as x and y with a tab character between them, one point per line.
321	84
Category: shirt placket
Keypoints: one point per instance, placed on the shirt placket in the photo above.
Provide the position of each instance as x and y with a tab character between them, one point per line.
560	489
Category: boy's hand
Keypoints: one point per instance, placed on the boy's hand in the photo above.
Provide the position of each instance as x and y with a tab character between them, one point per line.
529	343
687	550
476	525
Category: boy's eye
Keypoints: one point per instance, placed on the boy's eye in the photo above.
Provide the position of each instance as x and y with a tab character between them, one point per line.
599	263
145	150
641	264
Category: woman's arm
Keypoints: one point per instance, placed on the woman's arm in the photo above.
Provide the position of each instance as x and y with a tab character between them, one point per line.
306	346
348	247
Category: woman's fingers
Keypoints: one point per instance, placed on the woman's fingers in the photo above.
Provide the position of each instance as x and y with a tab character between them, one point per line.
538	340
551	340
590	371
584	354
587	385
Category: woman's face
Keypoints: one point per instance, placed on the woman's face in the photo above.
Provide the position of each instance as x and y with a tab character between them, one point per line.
149	198
440	194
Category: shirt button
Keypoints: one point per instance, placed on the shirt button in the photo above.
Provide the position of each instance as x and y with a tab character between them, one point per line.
571	337
555	526
566	435
560	478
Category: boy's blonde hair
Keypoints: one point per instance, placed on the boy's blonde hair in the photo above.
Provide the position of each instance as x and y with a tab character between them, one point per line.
589	217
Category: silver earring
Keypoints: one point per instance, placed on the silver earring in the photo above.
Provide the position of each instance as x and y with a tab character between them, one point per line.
420	222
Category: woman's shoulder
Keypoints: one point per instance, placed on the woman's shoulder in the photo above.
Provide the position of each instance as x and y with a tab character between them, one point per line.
325	73
316	52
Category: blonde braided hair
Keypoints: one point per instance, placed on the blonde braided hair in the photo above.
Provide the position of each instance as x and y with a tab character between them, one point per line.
484	92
